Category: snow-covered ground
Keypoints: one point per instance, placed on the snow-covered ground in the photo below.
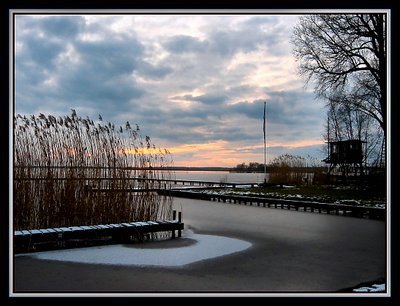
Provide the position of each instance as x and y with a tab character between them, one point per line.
237	191
204	247
373	288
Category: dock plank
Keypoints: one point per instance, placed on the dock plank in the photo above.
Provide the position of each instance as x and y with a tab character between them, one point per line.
65	229
127	224
86	228
75	228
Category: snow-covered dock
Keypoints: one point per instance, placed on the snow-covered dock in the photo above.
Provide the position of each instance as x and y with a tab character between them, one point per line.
73	236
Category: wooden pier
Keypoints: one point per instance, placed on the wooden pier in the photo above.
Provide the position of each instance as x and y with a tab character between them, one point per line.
156	183
298	205
75	236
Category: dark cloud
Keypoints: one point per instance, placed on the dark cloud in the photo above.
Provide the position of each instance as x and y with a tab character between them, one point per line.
98	76
235	91
41	51
153	72
289	107
260	21
236	133
211	99
183	43
62	26
226	41
43	39
251	110
249	36
103	75
56	26
111	57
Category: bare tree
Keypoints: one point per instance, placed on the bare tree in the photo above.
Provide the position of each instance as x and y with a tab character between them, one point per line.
344	57
345	123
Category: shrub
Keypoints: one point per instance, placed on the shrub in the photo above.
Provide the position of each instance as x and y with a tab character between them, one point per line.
287	169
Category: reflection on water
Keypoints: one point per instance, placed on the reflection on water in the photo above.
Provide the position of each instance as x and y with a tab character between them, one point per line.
220	176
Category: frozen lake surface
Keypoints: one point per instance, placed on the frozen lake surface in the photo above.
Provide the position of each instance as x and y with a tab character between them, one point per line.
291	252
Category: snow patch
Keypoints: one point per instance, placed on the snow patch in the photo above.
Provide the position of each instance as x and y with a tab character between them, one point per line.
206	247
373	288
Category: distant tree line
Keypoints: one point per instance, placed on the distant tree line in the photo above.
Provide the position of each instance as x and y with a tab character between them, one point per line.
294	162
252	167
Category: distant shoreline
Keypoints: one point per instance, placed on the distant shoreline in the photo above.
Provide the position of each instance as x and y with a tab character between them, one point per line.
183	168
171	168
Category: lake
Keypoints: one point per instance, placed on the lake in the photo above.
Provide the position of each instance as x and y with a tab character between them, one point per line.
220	176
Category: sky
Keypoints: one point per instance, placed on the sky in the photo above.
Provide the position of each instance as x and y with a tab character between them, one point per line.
196	84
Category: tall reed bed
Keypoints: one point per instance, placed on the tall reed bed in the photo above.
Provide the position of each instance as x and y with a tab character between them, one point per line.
290	169
60	164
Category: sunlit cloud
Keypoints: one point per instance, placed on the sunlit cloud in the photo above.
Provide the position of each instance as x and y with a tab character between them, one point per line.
298	144
198	147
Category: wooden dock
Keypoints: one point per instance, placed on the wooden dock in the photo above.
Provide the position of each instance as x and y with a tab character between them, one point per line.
155	183
77	236
298	205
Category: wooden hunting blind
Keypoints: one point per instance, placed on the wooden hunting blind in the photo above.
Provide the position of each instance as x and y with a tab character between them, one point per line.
348	154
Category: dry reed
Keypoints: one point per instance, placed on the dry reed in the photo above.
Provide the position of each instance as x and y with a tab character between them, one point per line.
288	169
61	164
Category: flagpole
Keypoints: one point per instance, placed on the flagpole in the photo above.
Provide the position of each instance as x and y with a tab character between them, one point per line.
265	145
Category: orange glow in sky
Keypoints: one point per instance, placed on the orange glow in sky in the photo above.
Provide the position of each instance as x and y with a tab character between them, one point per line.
219	153
224	154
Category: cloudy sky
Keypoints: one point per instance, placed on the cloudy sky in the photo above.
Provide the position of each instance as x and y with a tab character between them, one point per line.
195	84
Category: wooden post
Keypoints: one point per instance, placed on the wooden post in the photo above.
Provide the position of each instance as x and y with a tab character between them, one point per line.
173	218
179	221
